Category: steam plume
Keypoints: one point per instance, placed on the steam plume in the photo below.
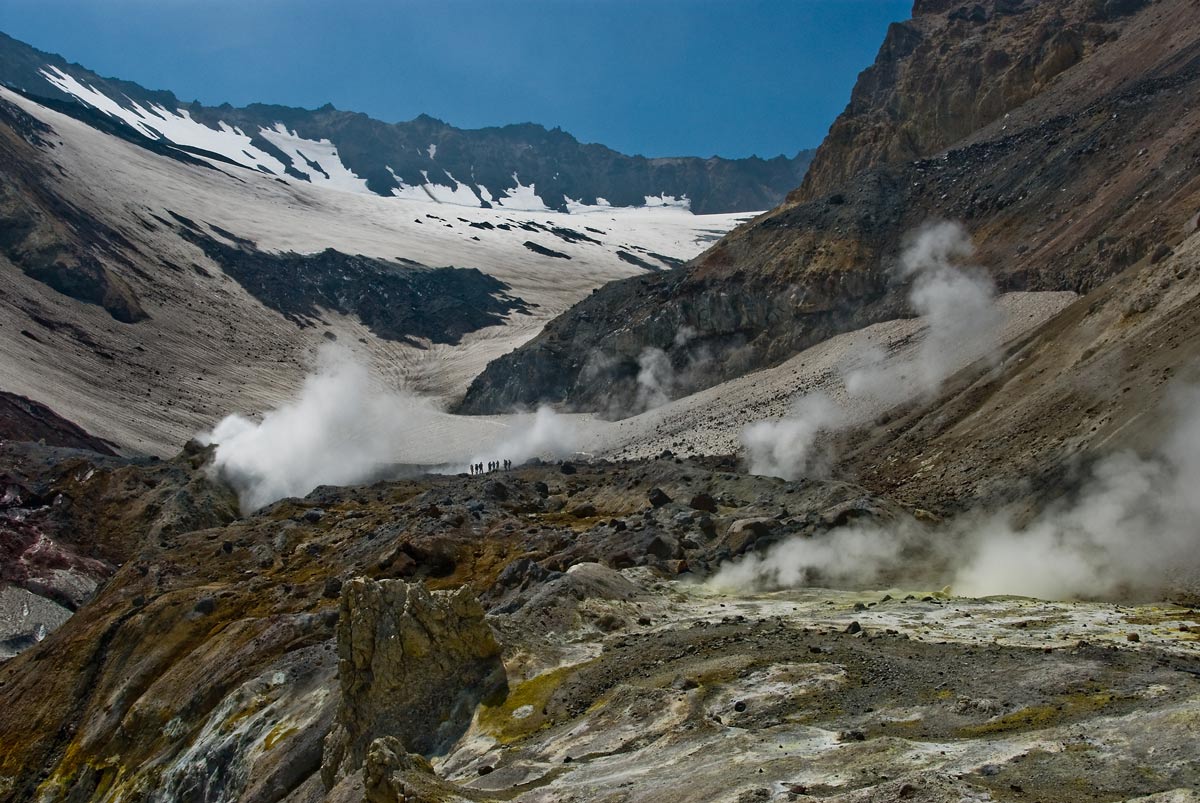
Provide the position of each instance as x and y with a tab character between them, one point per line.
655	379
787	448
1129	532
956	302
339	431
541	434
344	430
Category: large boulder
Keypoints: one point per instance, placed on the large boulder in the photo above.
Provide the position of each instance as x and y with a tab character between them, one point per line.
412	665
393	776
744	532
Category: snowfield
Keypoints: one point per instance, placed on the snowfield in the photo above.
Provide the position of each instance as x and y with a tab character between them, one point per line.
210	348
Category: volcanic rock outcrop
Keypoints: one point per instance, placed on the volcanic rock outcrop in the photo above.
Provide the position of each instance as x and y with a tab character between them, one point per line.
255	659
412	666
209	661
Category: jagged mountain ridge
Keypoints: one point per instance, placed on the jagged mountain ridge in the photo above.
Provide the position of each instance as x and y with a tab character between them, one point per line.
1090	170
521	166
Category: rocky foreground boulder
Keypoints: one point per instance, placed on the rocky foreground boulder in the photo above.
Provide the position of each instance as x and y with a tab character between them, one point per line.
412	667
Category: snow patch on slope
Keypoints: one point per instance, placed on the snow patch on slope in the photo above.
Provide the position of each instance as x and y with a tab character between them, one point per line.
669	200
308	155
523	198
458	194
179	127
317	160
158	123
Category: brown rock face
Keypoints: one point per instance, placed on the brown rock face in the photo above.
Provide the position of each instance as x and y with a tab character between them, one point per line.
412	665
945	74
392	776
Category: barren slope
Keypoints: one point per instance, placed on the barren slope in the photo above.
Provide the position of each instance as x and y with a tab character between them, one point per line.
219	655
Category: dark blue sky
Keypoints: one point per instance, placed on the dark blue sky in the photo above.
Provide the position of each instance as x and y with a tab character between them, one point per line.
656	77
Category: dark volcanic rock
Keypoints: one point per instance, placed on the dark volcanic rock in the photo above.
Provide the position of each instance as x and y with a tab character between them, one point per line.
544	251
585	511
402	301
51	240
658	497
22	419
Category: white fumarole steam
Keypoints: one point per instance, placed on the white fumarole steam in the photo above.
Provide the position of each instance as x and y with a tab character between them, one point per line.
342	429
956	302
787	448
541	434
1131	531
339	431
657	380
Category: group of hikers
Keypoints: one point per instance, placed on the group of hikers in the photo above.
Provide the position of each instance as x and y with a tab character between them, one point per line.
491	465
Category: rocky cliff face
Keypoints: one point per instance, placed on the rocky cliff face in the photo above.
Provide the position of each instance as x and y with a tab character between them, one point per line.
1084	165
948	72
423	158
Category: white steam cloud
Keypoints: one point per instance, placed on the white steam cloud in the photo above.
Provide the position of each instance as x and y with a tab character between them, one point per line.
787	448
541	434
342	429
1131	531
339	431
956	302
658	382
656	379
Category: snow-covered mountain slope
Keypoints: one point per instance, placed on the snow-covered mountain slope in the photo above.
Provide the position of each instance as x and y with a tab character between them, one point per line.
517	167
147	296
